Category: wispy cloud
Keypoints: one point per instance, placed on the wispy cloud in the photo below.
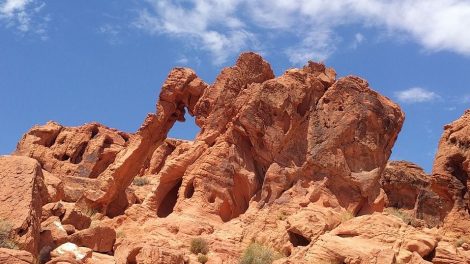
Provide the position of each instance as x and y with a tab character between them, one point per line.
111	32
416	95
466	99
22	15
210	25
224	27
358	39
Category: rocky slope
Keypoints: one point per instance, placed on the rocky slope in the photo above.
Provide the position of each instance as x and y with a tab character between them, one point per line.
294	166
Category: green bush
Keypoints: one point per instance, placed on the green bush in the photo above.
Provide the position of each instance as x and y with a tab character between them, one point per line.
406	217
201	258
258	254
199	245
459	242
282	216
5	231
140	181
346	216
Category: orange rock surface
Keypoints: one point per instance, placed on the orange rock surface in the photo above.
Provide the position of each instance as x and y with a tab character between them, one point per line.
297	164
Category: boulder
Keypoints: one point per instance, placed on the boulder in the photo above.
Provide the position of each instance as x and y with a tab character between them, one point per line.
76	216
55	188
11	256
97	238
20	200
53	233
70	253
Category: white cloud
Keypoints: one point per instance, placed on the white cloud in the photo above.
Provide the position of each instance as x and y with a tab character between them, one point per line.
224	27
416	95
208	24
111	32
358	39
21	14
183	60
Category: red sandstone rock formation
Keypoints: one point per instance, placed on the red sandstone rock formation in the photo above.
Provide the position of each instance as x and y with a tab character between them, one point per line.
20	201
408	187
297	163
451	167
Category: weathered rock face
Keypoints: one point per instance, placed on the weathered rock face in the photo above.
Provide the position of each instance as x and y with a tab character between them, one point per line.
21	186
451	167
84	151
275	131
408	187
373	238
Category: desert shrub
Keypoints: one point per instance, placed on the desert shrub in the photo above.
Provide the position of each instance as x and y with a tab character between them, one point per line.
345	216
199	245
90	212
258	254
5	231
406	217
459	242
201	258
282	216
140	181
120	234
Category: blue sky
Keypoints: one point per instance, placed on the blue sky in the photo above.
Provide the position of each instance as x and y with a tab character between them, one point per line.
76	62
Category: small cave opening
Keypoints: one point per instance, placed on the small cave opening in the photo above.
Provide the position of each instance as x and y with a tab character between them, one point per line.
63	157
211	199
455	166
169	201
77	156
107	142
298	240
94	131
430	256
189	192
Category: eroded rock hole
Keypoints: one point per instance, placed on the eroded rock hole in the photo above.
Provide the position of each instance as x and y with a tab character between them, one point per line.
189	192
169	201
298	240
185	130
63	157
455	167
124	136
94	131
211	199
107	142
430	256
78	154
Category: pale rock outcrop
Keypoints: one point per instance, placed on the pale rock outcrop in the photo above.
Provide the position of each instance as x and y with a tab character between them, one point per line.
98	238
70	253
